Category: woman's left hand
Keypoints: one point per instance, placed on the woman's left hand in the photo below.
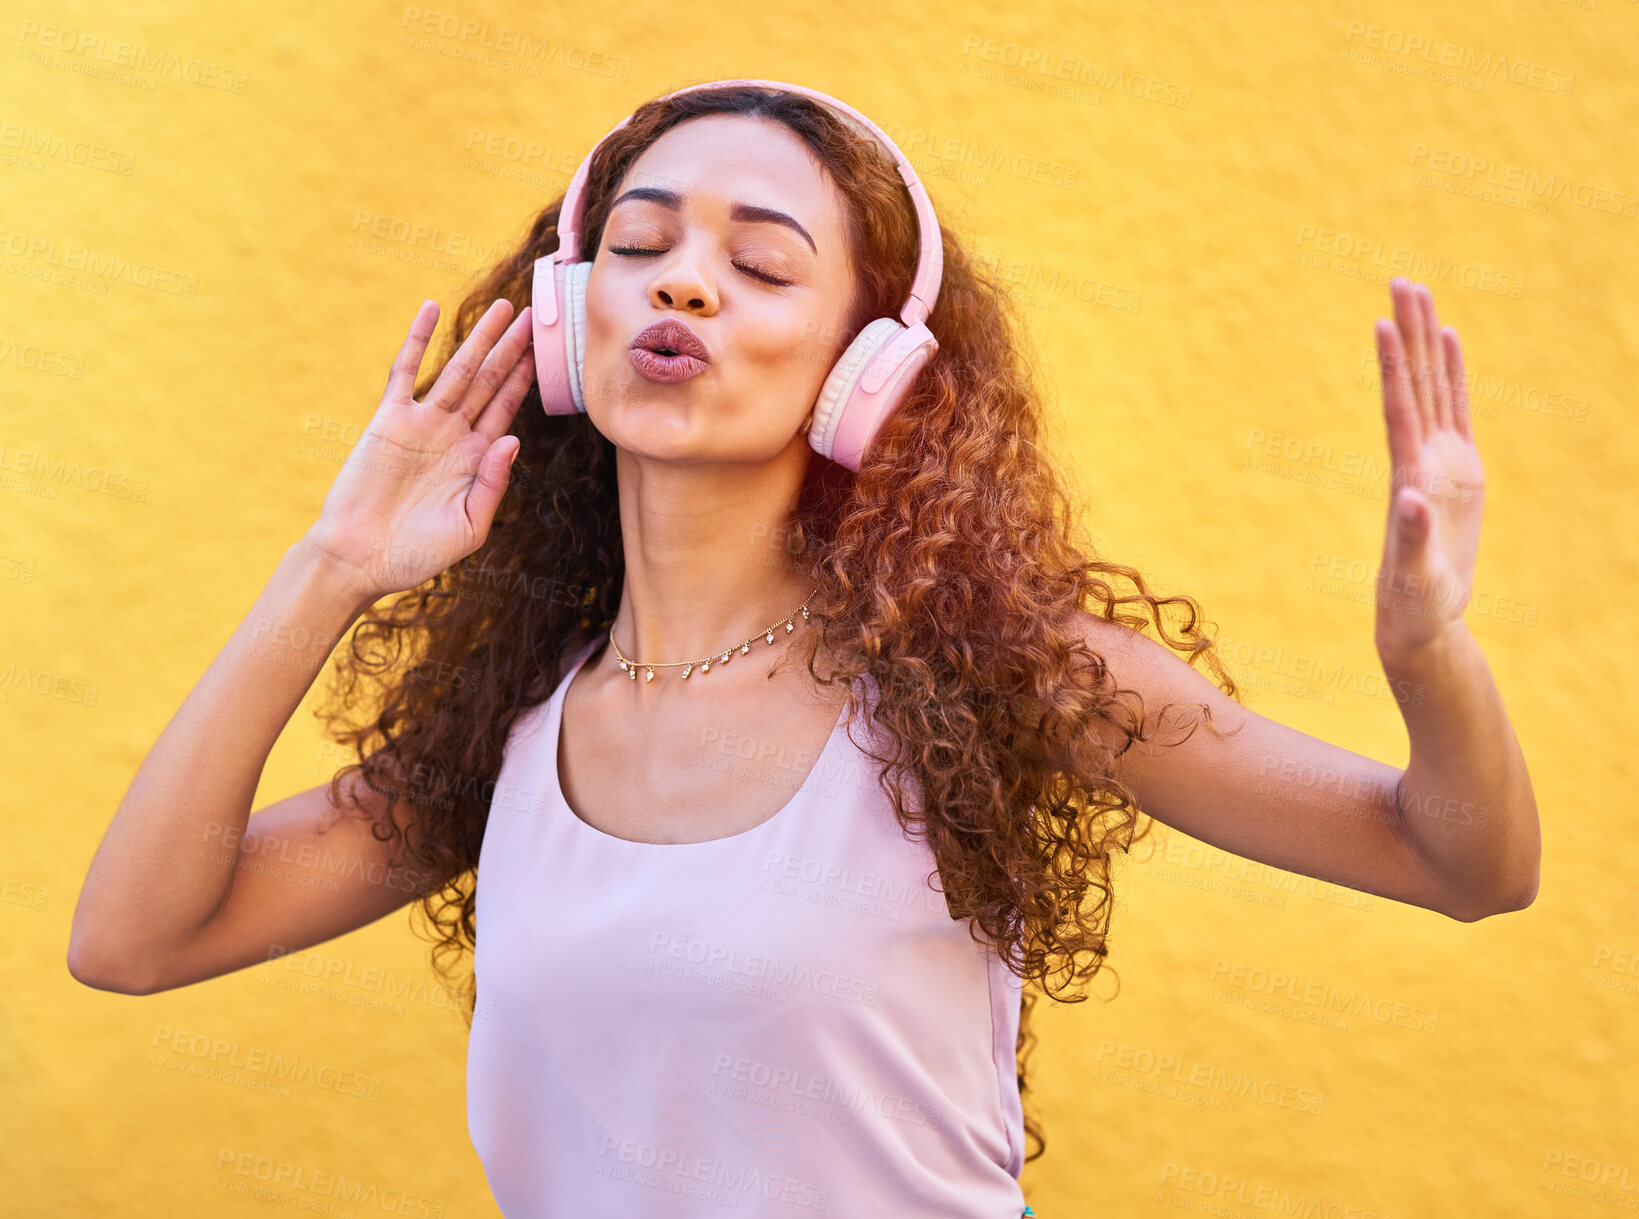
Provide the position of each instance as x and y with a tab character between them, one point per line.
1437	488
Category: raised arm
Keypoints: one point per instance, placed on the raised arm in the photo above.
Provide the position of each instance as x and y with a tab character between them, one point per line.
1456	831
186	883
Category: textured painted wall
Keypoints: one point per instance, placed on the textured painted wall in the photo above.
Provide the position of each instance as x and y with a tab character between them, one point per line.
215	226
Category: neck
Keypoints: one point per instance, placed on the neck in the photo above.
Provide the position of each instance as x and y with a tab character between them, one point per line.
708	555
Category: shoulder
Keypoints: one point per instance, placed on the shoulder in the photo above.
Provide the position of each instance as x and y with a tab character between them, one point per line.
1158	674
1100	633
1132	654
1132	657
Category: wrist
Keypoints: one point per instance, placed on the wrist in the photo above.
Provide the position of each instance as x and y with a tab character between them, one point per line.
1422	661
333	578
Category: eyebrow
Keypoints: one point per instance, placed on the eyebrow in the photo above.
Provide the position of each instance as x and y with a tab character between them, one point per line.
740	211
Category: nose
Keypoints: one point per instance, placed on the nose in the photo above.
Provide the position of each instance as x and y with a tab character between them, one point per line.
682	282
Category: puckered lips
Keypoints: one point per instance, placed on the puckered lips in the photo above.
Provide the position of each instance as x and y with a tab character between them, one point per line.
668	352
672	337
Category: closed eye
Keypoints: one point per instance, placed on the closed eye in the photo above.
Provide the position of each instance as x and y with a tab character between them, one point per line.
640	251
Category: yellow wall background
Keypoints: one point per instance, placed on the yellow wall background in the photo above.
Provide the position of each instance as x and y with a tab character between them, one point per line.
1223	193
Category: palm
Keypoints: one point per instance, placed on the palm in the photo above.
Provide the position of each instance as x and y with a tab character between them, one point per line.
1437	487
420	488
404	485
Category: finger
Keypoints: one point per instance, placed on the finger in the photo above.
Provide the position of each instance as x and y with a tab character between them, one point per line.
1440	385
407	364
1400	413
490	483
497	367
503	408
451	386
1459	383
1410	320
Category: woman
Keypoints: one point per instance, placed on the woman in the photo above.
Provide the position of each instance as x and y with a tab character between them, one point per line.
756	925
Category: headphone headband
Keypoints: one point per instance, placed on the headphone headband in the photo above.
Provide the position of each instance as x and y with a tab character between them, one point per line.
930	261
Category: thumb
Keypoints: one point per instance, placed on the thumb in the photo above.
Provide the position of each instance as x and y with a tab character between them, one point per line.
1411	517
490	483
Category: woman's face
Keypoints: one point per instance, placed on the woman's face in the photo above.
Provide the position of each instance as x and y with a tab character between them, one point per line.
702	197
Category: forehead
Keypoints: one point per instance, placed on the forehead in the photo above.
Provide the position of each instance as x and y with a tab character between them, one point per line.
718	160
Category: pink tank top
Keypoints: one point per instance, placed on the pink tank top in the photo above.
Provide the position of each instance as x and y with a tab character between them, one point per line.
786	1021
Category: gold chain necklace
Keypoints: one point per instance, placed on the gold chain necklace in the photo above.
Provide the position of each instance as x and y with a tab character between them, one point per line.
632	666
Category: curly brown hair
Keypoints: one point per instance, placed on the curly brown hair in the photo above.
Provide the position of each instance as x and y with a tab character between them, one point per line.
949	569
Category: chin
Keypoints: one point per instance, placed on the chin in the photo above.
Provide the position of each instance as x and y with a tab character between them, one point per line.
649	429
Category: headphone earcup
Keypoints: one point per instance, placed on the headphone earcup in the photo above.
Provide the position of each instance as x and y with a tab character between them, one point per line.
866	386
832	403
574	336
557	375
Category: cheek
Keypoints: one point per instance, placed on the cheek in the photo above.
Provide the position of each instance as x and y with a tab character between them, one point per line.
601	310
798	343
773	369
813	352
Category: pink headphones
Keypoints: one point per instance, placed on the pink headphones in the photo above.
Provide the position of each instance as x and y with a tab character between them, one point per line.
865	386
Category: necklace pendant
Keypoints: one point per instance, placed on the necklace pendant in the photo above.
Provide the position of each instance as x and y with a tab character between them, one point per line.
630	667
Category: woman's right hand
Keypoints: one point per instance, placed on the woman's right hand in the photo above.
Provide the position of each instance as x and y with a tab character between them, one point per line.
420	488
